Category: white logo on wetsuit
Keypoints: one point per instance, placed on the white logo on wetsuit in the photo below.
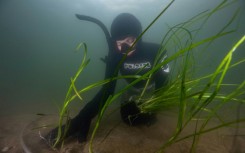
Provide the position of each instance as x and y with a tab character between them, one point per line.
165	68
133	66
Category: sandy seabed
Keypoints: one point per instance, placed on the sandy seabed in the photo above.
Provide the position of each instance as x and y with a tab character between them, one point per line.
21	133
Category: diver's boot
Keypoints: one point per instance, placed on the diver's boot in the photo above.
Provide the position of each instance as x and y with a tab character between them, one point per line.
83	131
51	137
66	131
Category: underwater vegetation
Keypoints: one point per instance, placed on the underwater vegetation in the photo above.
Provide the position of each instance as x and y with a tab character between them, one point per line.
197	99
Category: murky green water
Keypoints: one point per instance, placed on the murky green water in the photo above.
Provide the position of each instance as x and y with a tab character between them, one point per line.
38	40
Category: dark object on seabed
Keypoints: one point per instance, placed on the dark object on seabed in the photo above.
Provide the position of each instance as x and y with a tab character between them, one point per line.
131	115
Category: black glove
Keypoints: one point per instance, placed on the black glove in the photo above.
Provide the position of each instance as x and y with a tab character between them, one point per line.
76	128
131	115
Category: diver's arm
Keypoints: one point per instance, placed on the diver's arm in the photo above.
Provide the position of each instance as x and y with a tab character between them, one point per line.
80	124
91	109
82	121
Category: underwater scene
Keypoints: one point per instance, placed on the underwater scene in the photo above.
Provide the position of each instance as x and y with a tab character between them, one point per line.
122	76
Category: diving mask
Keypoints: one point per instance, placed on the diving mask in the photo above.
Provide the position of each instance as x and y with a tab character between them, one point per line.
125	44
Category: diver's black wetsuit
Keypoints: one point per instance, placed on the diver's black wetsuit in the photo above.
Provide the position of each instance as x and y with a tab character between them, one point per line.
146	55
140	62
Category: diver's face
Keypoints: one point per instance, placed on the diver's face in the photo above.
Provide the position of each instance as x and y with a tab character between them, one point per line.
123	45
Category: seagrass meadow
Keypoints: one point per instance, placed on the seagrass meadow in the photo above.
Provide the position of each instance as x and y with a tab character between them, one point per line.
51	67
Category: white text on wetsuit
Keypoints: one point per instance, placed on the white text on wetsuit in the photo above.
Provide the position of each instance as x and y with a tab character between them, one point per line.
133	66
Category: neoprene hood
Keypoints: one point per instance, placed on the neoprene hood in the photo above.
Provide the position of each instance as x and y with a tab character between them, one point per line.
125	24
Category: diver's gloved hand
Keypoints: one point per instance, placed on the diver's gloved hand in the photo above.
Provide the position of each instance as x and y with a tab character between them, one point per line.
131	115
76	129
52	136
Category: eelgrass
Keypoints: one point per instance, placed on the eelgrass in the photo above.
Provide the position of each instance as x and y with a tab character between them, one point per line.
73	93
194	100
190	95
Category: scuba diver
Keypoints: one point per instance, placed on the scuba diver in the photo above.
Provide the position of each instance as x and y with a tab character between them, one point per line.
139	59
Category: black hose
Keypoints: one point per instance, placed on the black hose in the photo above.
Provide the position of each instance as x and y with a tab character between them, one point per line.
101	25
